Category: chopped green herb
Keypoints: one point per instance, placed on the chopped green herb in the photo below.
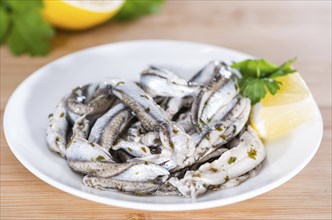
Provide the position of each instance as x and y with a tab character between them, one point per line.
231	160
136	173
100	158
147	110
129	148
252	153
50	115
143	149
214	170
175	131
171	144
219	129
62	114
222	136
92	144
207	137
146	163
226	178
196	175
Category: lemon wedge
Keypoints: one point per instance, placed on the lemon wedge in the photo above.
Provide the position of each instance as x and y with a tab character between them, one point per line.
277	114
79	14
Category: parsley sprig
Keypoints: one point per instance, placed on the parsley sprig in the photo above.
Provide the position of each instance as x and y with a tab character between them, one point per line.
259	77
23	28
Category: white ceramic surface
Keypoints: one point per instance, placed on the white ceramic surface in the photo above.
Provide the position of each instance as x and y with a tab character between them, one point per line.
26	113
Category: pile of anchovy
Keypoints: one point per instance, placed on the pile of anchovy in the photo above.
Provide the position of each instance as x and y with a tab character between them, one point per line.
163	135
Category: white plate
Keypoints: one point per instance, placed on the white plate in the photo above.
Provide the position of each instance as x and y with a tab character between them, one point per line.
26	113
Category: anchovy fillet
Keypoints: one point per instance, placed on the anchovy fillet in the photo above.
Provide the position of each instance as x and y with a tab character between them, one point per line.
57	129
141	103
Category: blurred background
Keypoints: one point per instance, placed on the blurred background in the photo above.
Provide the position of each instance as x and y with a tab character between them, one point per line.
275	30
32	36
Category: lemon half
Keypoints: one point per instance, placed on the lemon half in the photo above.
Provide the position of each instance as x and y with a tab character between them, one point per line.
277	114
79	14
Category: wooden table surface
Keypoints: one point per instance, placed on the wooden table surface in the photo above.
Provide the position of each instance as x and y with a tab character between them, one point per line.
270	29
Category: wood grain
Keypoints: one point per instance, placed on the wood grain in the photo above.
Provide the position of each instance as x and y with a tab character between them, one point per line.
276	30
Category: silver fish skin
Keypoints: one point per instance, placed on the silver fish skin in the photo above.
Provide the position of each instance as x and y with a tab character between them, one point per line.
100	124
57	129
89	99
126	186
178	142
181	172
142	172
234	162
135	149
81	127
141	103
80	149
238	180
188	188
230	165
150	139
209	71
81	95
163	159
110	126
161	82
223	111
226	130
211	90
184	121
99	168
219	100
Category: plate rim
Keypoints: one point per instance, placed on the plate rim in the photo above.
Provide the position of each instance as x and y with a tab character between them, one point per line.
139	205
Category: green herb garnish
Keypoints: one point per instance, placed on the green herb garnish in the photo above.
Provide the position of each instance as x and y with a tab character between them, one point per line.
135	9
231	160
214	170
222	136
23	28
196	175
226	178
258	77
252	153
100	158
171	144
